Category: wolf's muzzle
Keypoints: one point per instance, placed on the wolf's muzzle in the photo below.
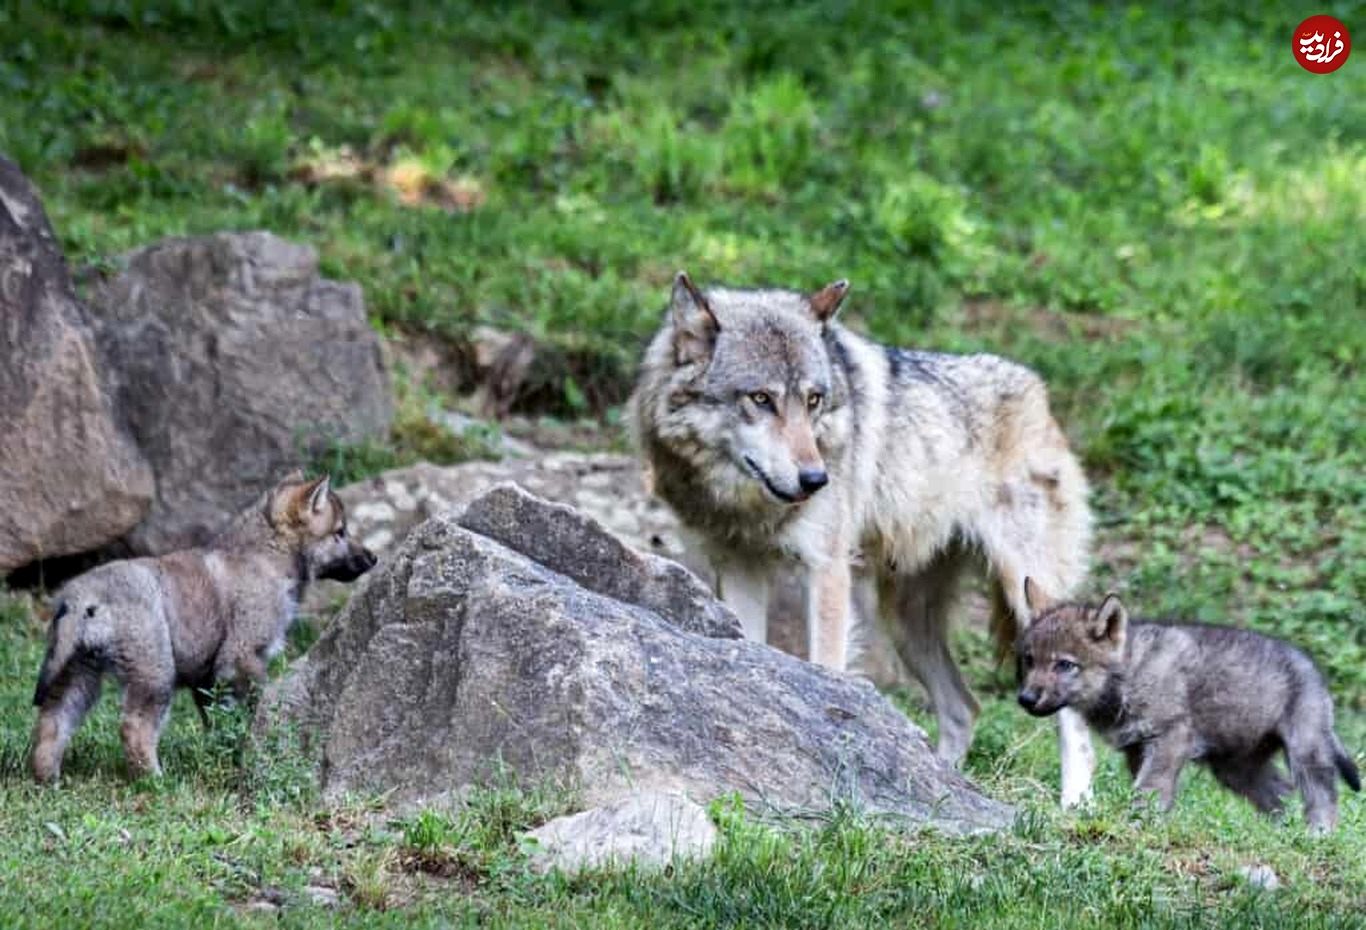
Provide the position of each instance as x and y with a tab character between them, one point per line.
350	568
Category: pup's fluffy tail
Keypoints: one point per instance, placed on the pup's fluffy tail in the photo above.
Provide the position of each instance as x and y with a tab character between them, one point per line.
1346	767
63	636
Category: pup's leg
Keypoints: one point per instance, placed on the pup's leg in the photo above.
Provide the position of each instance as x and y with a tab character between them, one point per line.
1163	759
243	668
1256	778
1315	772
829	606
745	591
145	708
916	616
61	714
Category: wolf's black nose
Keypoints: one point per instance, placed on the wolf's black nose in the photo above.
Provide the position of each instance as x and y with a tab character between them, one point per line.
1028	699
812	479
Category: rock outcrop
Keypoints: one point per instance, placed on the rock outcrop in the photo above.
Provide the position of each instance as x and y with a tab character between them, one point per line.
464	652
71	476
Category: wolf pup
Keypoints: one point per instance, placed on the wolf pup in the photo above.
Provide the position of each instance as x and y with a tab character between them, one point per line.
1168	694
775	433
188	619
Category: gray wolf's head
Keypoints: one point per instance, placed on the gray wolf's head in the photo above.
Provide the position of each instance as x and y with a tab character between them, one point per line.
307	518
753	387
1069	653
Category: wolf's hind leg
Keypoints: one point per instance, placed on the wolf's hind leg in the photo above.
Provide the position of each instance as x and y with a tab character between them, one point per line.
916	615
60	716
1256	778
144	714
1313	766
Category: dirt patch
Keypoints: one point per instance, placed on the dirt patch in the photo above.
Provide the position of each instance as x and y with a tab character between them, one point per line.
1051	325
408	180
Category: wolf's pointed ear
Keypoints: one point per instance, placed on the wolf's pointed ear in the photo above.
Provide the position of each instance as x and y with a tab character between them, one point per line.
1111	621
1036	599
317	497
695	326
826	302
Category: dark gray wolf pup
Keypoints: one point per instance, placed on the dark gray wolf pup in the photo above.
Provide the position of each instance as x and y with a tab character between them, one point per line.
1168	694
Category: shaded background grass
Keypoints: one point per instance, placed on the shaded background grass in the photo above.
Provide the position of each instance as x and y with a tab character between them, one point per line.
1153	205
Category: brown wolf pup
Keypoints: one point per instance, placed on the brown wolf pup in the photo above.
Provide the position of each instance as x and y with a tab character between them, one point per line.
187	620
1168	694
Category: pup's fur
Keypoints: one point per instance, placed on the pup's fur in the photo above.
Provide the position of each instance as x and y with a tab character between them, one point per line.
776	433
1168	694
187	620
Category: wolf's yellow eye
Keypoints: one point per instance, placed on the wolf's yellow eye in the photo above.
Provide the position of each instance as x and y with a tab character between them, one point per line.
761	399
813	400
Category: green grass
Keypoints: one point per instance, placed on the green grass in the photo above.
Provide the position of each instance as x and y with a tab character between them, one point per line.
1153	205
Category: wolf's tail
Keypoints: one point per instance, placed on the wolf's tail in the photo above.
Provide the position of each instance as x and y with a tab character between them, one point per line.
1346	767
63	637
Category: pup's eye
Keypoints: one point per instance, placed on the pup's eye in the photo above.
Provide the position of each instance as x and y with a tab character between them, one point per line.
814	399
761	399
1063	666
1028	661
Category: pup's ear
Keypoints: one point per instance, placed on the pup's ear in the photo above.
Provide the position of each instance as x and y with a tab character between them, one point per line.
317	497
695	325
826	302
1111	621
1036	599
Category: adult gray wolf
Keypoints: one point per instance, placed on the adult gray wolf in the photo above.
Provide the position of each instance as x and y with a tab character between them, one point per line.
188	619
775	433
1167	694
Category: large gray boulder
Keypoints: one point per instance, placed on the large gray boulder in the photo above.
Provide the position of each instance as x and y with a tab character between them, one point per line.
233	361
71	477
463	654
384	509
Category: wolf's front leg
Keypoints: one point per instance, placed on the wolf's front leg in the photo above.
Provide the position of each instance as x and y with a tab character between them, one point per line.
1078	757
1163	759
829	593
745	591
242	668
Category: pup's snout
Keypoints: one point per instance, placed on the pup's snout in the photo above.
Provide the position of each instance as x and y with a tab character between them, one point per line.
812	479
367	559
1028	699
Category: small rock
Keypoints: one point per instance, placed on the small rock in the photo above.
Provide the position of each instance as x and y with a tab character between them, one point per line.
648	828
322	896
1259	875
